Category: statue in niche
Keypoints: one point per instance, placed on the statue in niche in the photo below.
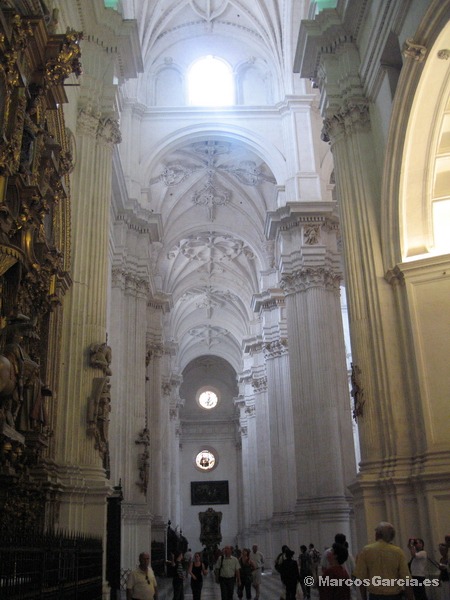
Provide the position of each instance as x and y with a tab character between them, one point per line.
21	389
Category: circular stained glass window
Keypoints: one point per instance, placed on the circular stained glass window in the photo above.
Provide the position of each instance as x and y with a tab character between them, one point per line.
208	399
205	460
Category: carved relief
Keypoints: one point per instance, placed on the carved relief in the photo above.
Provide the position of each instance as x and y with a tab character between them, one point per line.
357	392
414	51
211	247
22	392
100	357
143	460
99	408
209	298
311	235
208	335
212	192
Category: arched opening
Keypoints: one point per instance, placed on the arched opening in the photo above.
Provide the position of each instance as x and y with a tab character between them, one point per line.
210	83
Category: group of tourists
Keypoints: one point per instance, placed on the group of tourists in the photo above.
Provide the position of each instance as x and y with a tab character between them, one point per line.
380	571
233	566
334	573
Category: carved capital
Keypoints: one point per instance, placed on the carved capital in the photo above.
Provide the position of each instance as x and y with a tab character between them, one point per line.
307	278
88	121
109	131
276	348
350	118
153	350
259	384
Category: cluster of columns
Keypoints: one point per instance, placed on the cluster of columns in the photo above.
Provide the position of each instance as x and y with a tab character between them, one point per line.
295	399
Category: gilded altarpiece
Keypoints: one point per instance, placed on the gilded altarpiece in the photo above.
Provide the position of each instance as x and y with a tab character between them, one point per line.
36	158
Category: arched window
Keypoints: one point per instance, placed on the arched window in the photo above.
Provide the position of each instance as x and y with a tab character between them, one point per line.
210	83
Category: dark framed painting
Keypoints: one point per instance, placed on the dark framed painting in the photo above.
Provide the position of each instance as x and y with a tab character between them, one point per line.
209	492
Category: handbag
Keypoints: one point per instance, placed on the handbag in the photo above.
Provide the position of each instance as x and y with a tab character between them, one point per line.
217	571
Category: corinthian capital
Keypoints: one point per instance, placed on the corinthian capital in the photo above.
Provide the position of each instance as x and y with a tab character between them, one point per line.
310	277
109	131
276	348
353	116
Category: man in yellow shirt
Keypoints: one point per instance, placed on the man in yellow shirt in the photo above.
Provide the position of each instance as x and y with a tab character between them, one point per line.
382	568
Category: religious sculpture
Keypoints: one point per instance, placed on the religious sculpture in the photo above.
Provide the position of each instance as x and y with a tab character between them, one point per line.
99	408
22	393
100	357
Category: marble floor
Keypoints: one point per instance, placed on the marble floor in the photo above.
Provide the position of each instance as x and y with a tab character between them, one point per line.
271	589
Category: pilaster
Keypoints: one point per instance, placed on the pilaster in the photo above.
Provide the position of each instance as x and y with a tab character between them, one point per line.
84	320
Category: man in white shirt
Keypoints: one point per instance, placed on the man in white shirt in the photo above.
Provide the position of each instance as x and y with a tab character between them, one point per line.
418	566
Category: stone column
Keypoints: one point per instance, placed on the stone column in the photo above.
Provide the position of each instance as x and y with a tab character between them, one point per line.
158	417
248	457
278	411
323	448
84	323
129	431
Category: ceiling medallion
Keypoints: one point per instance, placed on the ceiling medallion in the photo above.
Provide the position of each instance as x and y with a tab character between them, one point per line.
211	197
208	336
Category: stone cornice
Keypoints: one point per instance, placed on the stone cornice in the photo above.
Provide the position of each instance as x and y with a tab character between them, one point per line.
300	213
268	300
132	283
161	301
326	34
253	345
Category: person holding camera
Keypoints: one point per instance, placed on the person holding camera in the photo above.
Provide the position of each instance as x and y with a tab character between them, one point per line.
417	566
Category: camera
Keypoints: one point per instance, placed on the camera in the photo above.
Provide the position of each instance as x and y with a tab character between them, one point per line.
412	541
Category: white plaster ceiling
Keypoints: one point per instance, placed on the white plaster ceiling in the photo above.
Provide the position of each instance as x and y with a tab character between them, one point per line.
213	193
213	196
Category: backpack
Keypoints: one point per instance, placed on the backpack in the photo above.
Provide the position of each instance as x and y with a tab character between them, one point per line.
315	555
217	571
278	562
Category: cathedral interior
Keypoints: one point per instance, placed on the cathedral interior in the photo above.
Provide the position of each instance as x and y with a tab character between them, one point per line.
224	273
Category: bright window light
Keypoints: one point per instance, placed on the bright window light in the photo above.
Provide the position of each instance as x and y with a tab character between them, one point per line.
210	82
441	222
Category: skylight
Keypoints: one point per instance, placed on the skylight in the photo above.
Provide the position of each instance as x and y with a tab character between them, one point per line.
210	83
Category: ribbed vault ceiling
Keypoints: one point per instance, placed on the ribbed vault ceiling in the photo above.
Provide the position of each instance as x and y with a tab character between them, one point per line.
213	191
